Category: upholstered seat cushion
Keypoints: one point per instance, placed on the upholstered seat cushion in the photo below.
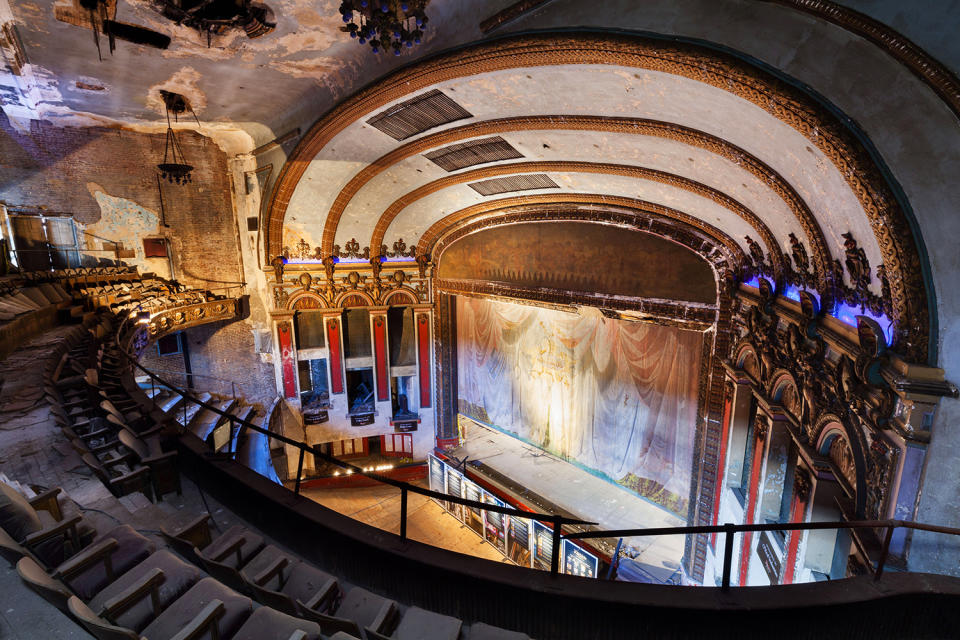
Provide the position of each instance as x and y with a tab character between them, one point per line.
132	549
420	624
363	607
178	577
260	562
305	581
252	543
17	517
270	624
237	609
481	631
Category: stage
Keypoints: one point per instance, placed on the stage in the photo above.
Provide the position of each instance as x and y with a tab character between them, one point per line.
539	479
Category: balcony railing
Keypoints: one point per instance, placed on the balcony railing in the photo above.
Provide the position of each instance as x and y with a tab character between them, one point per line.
557	521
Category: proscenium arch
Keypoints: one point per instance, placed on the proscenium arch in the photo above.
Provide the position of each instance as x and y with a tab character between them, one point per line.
577	167
910	292
606	124
629	210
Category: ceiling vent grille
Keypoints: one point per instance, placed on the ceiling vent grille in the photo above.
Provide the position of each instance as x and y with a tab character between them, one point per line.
418	114
468	154
513	183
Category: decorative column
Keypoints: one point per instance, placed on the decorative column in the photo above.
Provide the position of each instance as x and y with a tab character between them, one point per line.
737	393
761	426
333	322
798	513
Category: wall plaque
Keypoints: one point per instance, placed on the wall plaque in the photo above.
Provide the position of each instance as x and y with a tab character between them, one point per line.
361	419
769	558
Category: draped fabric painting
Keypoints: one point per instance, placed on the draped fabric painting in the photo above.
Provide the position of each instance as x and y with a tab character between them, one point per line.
619	398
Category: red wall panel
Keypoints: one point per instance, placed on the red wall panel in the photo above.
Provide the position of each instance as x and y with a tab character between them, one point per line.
380	356
423	351
336	357
286	356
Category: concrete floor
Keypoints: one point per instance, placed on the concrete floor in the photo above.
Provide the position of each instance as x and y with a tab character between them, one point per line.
427	522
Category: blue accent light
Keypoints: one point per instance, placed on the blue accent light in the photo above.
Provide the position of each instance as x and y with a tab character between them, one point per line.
848	315
792	293
753	282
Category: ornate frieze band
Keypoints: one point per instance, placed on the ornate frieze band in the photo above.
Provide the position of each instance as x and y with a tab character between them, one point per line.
184	317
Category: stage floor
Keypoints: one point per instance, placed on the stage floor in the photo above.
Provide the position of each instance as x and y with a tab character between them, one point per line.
578	492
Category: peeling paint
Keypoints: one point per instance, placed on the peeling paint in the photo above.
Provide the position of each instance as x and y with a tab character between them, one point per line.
124	222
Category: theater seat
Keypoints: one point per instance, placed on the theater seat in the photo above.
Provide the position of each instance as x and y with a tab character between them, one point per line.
420	624
359	610
108	556
201	602
289	586
269	624
176	578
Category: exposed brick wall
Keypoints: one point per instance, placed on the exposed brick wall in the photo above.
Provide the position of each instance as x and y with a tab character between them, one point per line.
59	168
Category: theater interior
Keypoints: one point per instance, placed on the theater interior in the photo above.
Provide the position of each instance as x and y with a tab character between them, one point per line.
479	320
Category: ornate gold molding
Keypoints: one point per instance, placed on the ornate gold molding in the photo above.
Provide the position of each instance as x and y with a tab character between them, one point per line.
779	99
184	317
580	167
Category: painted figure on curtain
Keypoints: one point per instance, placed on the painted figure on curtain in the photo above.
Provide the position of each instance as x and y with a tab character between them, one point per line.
619	398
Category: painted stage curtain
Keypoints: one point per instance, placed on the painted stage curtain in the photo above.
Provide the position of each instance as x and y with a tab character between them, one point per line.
619	398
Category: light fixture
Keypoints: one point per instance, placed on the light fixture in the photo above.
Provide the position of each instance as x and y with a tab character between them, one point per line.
174	167
385	24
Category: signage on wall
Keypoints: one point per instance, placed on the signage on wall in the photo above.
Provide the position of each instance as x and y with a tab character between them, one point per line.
577	562
495	531
405	426
518	541
315	417
542	546
473	516
438	477
769	558
361	419
455	488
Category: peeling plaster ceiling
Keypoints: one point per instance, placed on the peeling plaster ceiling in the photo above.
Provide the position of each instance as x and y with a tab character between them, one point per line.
263	87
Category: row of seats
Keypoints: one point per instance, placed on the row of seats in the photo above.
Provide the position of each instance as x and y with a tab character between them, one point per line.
120	585
118	435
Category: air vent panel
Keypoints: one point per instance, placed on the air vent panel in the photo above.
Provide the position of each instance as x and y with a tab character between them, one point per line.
416	115
506	184
474	152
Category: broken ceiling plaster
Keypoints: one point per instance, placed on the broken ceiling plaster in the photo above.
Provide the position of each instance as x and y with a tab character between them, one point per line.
185	82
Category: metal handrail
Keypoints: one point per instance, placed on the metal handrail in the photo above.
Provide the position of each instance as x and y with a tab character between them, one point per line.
557	521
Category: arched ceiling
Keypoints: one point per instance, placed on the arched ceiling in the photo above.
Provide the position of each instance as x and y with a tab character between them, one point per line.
677	126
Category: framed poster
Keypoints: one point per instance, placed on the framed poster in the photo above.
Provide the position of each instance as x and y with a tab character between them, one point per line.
542	546
495	531
455	488
473	516
577	562
438	477
518	540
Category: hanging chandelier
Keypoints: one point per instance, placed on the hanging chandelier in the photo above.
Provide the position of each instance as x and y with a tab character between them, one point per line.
385	24
174	168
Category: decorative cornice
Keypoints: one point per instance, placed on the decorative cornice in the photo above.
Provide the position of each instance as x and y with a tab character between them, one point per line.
723	71
578	167
184	317
937	76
